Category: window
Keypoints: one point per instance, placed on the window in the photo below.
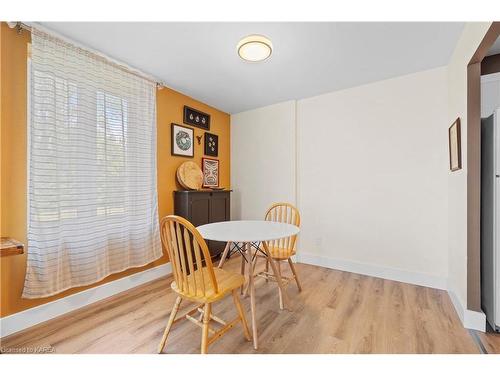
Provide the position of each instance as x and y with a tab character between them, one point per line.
92	169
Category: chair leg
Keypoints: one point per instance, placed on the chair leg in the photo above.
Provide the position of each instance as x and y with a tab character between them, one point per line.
294	271
224	254
251	268
204	335
278	267
171	319
243	266
267	269
237	303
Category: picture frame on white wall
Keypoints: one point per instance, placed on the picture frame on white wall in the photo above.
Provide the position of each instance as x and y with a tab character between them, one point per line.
454	145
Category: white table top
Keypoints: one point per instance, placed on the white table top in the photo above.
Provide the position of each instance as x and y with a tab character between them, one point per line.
247	231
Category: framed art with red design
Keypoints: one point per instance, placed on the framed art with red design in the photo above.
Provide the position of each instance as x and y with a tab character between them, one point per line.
210	168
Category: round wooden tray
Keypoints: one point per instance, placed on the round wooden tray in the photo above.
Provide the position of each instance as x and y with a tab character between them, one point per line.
190	176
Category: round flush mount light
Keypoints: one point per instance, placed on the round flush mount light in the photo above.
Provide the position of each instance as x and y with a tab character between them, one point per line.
255	48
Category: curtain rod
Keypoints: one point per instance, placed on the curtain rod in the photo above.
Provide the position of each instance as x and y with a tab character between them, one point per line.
19	26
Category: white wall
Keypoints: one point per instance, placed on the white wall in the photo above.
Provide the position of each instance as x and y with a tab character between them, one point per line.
373	164
384	150
262	159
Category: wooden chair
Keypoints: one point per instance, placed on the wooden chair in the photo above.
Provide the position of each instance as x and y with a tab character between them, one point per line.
196	280
284	248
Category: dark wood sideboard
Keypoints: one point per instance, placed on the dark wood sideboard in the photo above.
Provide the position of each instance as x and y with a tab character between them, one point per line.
203	207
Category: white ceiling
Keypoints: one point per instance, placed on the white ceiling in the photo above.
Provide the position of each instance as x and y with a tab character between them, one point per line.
200	59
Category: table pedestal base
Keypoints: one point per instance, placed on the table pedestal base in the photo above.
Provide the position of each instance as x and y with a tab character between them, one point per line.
250	257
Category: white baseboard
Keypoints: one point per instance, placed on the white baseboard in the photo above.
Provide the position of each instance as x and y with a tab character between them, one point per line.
410	277
470	319
28	318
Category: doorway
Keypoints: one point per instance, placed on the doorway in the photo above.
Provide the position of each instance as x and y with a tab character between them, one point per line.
474	167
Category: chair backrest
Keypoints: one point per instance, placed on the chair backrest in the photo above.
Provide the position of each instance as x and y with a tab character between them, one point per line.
189	256
284	213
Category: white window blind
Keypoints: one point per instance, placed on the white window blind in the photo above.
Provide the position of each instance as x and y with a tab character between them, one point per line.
92	169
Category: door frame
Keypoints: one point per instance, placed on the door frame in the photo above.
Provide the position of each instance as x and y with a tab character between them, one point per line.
474	168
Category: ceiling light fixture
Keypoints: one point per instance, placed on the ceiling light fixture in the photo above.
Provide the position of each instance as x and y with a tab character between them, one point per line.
255	48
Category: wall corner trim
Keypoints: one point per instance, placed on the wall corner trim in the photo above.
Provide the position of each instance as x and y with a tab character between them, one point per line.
470	319
11	324
405	276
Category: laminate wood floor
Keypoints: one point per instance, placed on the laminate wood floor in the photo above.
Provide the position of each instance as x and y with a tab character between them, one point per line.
337	312
490	341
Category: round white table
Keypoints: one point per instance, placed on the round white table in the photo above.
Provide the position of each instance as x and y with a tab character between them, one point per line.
247	232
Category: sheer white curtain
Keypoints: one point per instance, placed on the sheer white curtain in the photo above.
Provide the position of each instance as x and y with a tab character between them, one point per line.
92	169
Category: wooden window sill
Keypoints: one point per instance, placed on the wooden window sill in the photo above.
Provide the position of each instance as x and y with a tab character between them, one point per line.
10	246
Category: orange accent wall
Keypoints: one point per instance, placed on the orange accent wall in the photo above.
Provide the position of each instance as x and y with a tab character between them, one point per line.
13	100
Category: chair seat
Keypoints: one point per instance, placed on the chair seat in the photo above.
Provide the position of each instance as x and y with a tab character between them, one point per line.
226	280
280	253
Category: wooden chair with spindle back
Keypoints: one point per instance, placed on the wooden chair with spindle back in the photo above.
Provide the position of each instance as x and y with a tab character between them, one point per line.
196	280
284	248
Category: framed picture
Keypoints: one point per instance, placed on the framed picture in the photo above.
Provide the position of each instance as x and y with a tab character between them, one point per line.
196	118
454	143
182	141
210	172
211	144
